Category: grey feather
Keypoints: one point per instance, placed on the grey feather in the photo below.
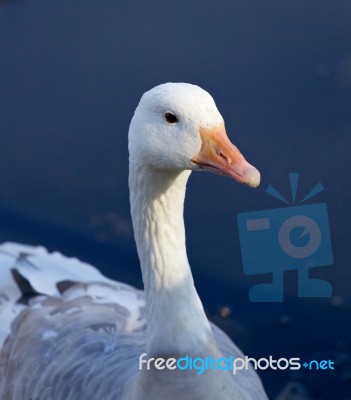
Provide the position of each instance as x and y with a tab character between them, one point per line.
82	344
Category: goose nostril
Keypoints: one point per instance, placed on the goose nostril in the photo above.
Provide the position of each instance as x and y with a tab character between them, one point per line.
227	159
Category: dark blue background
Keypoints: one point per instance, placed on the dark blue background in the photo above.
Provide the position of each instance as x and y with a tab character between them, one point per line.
72	73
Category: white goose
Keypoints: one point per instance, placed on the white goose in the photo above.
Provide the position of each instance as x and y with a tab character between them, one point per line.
80	335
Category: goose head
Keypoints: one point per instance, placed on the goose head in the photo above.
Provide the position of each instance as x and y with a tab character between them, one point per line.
177	126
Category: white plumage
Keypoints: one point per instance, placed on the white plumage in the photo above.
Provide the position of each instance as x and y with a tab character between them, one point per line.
69	333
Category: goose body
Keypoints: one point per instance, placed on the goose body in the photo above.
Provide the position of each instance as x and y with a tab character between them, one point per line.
69	333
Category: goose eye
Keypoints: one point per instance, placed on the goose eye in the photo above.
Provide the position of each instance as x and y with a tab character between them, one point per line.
171	118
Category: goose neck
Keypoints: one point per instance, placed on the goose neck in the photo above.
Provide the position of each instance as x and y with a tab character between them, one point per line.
176	319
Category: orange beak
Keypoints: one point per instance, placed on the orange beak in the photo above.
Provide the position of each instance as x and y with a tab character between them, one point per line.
219	155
